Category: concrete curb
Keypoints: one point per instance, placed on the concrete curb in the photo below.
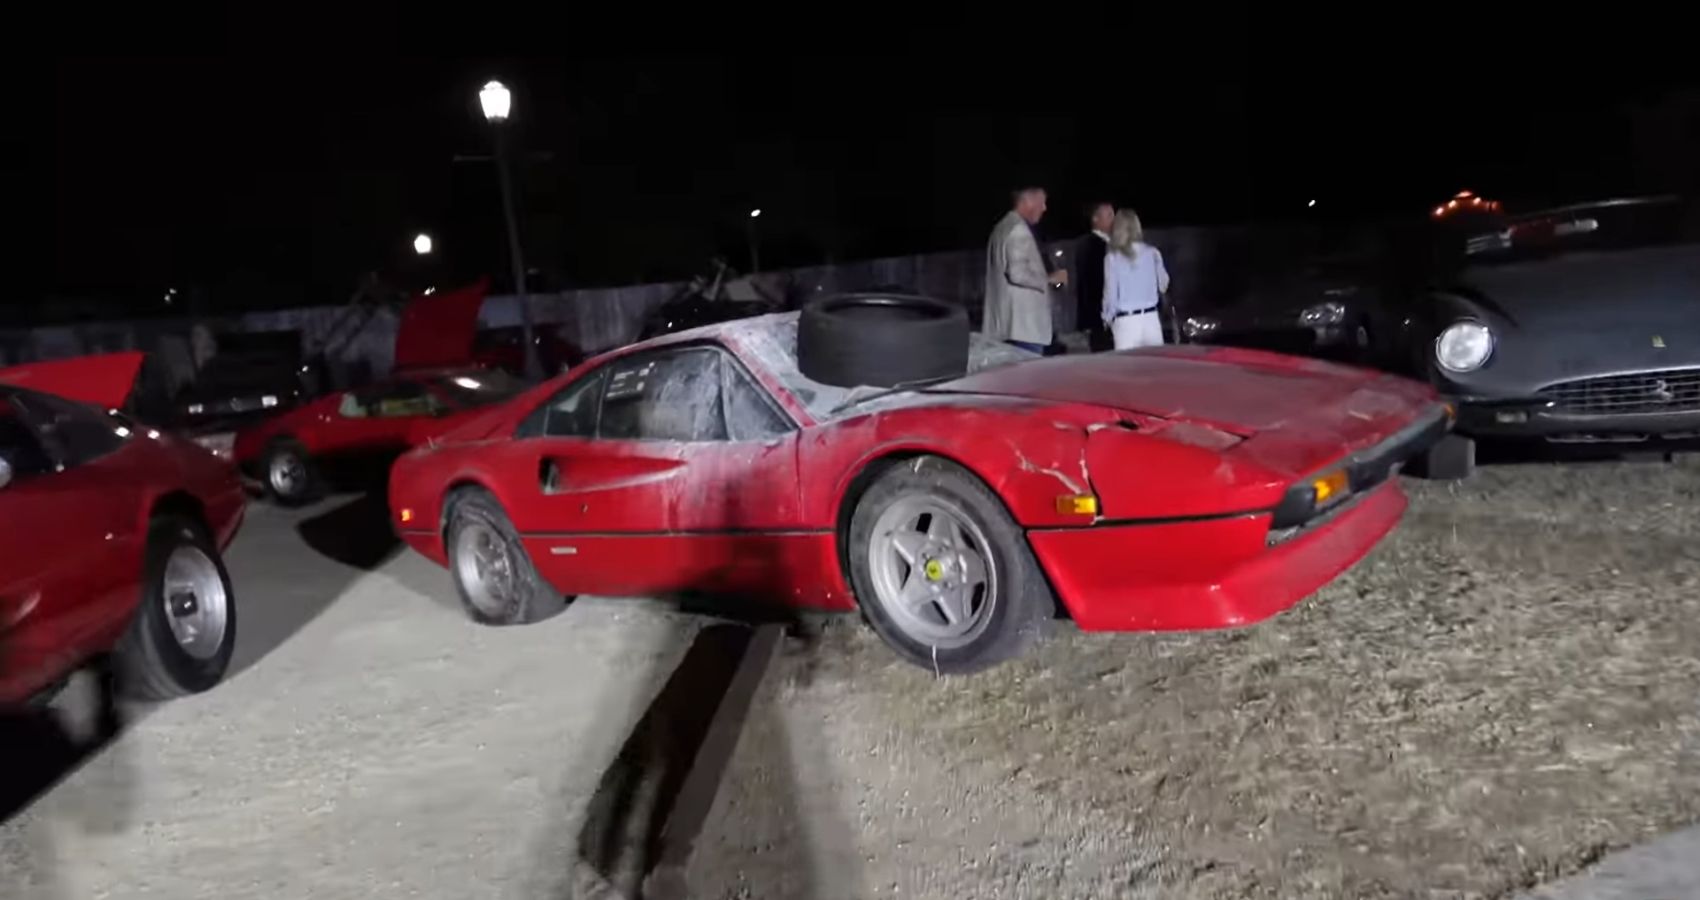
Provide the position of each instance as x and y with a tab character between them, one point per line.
1661	869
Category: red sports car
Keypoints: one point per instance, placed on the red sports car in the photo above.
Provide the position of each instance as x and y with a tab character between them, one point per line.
1174	488
110	537
433	389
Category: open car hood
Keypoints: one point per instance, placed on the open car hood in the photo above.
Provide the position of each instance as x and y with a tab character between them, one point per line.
1241	392
105	380
438	329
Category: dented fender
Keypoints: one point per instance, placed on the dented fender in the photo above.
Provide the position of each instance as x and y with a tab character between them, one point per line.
1028	453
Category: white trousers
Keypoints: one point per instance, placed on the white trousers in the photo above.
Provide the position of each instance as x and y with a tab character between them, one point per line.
1138	330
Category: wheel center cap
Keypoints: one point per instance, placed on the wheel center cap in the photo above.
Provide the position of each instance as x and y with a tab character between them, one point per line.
933	569
183	603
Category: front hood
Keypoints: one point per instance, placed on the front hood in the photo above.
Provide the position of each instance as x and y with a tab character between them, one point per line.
1581	316
1653	288
1239	391
105	380
439	329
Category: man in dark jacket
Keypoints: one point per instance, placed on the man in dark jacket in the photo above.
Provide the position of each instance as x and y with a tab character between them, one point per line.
1089	283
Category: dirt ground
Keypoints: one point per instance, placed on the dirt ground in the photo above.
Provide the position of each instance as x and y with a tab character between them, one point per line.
1501	693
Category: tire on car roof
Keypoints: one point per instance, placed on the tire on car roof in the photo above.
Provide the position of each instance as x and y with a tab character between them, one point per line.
881	340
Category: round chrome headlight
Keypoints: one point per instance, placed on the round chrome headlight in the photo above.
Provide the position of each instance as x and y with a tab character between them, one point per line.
1464	346
1321	314
1199	326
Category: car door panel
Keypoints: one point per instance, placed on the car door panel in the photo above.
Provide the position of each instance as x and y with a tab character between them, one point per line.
646	517
637	515
70	565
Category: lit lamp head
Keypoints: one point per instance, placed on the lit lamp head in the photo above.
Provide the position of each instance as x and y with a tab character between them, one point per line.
496	101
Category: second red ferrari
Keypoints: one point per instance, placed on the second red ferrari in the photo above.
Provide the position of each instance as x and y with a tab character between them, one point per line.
1175	488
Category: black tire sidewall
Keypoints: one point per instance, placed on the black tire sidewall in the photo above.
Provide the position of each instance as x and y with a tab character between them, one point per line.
529	604
309	486
845	340
1024	602
160	654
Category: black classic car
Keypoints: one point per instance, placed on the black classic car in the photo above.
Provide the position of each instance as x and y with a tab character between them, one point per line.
1334	293
1578	324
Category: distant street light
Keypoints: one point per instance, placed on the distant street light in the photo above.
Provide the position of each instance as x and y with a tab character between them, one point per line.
1310	205
422	244
755	242
497	102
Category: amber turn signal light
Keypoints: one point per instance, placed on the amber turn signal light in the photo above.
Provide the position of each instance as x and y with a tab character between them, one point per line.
1077	505
1330	487
406	516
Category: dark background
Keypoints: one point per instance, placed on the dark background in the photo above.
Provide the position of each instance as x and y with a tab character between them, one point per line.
250	179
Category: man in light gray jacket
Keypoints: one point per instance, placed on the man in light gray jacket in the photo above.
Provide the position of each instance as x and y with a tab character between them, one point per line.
1018	300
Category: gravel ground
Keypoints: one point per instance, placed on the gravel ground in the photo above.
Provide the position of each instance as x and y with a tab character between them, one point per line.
1498	695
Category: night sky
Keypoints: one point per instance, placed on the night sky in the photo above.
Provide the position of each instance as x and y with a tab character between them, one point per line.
286	176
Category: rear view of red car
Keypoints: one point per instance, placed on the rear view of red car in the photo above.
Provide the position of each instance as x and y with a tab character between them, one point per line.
110	538
351	436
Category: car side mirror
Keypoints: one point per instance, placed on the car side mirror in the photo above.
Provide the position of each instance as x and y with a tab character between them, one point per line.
5	473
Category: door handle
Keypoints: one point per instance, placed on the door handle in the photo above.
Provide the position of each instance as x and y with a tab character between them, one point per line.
548	475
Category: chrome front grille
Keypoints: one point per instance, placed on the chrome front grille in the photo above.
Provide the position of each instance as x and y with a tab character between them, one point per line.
1669	391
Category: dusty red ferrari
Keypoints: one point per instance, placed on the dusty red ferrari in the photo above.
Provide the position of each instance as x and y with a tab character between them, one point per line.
1175	488
110	537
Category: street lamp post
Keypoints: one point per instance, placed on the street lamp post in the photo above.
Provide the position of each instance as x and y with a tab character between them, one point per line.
755	242
497	102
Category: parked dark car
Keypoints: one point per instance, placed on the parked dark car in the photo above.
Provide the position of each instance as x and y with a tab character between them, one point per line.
1309	292
252	375
1579	324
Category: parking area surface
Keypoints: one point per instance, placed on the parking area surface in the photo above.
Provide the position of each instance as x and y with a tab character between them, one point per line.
1499	695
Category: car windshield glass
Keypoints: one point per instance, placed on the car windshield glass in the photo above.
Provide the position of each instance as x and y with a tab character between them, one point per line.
233	372
1599	227
479	387
771	341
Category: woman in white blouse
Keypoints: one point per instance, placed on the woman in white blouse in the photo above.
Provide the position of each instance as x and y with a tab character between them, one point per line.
1134	284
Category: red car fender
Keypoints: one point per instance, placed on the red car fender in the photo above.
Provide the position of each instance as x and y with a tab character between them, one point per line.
1173	470
1029	454
412	477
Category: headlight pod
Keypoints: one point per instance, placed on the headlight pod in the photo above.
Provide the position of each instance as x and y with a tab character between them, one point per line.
1323	314
1199	326
1464	346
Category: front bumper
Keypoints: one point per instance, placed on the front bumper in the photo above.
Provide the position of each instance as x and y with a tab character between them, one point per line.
1539	417
1215	573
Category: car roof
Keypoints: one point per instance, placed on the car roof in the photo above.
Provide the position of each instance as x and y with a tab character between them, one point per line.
769	343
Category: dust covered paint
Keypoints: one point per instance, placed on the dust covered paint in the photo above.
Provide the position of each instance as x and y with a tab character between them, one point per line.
1185	451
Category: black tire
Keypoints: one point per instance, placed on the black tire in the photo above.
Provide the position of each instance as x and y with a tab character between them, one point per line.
1022	604
532	599
881	340
1452	458
151	664
287	451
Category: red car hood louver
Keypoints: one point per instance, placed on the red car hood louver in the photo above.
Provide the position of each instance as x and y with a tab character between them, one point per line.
1242	392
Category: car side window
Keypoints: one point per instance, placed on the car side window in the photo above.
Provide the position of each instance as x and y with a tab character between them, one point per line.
78	433
20	447
571	412
750	415
673	395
